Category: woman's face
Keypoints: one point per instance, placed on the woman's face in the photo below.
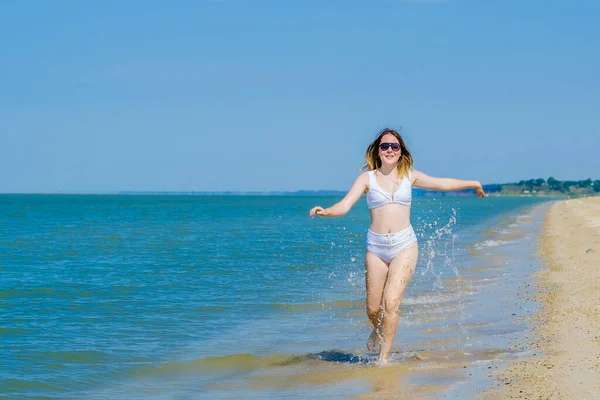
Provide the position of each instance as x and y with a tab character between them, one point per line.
389	150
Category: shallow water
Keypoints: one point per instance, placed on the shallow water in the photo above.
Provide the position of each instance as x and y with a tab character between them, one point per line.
194	296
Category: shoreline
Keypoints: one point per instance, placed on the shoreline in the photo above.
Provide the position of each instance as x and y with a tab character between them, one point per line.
566	339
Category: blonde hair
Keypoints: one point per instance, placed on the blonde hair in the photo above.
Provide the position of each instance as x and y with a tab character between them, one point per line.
372	160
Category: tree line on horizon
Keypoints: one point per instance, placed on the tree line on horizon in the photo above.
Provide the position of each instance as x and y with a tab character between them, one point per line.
550	185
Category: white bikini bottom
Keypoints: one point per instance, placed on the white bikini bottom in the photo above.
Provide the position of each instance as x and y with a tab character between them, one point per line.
387	245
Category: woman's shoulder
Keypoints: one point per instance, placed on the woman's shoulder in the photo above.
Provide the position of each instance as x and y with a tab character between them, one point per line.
366	175
414	174
365	179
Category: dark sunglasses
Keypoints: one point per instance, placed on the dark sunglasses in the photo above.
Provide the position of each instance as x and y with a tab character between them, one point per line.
385	146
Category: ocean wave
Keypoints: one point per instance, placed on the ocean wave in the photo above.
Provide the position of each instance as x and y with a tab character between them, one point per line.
429	299
491	243
318	306
221	365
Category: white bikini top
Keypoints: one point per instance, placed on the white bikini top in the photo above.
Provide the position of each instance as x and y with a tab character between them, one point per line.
377	197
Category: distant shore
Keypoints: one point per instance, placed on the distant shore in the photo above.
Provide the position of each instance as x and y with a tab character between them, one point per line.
307	193
566	342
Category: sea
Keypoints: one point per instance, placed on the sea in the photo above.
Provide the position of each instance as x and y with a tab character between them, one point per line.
246	297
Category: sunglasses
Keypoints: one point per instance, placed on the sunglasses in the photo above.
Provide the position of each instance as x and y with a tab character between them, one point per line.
385	146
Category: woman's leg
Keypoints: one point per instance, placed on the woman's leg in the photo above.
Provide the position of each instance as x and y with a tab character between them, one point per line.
376	273
401	270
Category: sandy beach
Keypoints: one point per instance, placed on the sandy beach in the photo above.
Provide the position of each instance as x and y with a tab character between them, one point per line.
566	333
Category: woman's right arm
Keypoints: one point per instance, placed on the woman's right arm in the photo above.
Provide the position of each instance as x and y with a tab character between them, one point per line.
360	186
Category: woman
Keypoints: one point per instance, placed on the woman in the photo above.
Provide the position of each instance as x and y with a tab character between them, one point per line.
391	242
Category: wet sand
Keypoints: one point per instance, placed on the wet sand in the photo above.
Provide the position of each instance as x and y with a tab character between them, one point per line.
566	333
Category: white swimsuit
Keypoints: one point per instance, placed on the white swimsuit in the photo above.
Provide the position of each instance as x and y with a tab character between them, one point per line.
387	245
377	197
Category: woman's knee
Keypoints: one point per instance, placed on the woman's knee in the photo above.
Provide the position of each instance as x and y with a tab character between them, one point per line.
391	307
373	311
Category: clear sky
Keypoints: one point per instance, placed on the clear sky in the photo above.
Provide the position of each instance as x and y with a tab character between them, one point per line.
286	95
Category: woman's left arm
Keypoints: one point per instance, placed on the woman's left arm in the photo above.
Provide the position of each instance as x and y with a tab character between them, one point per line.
427	182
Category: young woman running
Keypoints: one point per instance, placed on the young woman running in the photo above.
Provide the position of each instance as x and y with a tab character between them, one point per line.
392	248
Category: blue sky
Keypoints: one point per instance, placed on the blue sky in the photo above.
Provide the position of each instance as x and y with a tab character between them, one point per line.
286	95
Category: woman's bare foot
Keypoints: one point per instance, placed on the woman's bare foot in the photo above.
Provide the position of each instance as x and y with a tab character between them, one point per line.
373	342
382	362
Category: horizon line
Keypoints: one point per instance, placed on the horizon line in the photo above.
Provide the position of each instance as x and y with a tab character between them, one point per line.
192	192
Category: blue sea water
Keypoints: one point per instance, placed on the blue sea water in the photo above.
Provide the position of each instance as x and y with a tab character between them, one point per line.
125	296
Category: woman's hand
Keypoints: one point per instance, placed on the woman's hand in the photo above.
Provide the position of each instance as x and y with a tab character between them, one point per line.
318	210
479	190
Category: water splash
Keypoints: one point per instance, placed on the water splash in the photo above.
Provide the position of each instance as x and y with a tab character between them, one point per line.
434	239
441	244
